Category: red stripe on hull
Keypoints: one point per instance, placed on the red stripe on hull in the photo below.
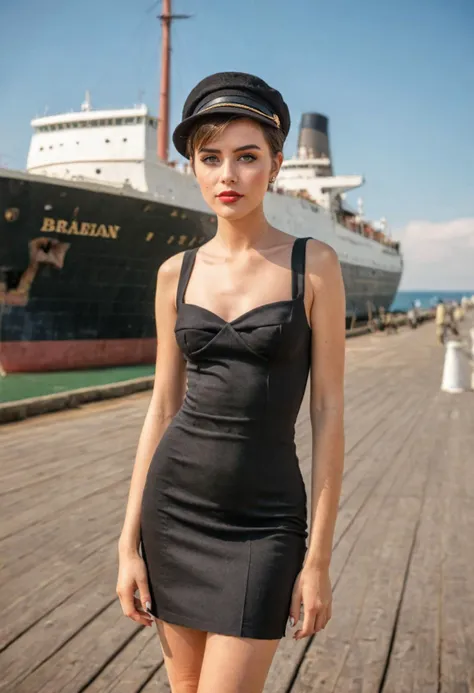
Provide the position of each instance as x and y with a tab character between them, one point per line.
34	357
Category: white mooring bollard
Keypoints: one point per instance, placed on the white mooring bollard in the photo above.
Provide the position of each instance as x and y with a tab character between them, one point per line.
457	370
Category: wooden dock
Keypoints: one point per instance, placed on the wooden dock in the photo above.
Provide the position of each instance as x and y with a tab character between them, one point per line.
402	568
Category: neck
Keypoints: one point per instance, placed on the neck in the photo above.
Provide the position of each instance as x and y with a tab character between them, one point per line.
252	231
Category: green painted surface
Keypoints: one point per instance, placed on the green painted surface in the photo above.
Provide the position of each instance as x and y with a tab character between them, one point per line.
18	386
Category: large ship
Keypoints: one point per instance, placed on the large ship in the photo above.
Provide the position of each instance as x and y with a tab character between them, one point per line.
85	228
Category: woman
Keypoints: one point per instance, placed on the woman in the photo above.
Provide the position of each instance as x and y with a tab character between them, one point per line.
217	502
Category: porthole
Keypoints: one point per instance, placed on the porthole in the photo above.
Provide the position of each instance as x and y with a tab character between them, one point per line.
98	170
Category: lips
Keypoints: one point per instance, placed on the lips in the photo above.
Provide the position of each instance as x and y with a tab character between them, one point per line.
229	196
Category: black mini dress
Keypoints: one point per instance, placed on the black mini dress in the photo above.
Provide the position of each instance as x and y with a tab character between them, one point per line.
224	512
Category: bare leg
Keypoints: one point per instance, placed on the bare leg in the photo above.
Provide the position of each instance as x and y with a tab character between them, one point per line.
235	665
183	652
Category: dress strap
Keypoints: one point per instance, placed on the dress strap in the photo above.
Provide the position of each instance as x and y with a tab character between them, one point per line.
185	273
298	263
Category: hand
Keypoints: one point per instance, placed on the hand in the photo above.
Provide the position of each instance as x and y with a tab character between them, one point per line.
132	576
313	590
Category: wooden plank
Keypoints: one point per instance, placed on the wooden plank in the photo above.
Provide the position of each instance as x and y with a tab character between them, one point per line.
27	609
139	663
414	657
457	597
35	657
350	654
354	542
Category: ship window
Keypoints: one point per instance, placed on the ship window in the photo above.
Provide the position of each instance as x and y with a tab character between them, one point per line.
109	121
118	121
140	119
124	139
128	120
82	124
98	170
41	149
101	122
60	126
74	125
107	141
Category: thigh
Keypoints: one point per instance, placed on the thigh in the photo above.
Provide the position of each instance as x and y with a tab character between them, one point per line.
235	665
183	652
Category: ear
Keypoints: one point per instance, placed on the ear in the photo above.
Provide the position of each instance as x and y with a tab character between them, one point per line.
276	164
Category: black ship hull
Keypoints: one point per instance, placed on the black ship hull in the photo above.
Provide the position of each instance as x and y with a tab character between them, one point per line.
78	273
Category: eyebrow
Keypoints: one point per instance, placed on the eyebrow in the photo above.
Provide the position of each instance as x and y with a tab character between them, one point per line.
239	149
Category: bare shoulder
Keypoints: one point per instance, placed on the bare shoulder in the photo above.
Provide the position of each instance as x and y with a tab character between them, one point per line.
167	279
322	263
169	270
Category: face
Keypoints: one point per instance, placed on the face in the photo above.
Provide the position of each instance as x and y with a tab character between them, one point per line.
239	160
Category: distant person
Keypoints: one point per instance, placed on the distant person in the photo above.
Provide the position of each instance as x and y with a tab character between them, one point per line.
412	316
458	314
440	322
390	324
450	321
217	501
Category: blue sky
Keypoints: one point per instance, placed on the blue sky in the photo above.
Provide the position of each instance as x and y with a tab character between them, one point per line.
396	79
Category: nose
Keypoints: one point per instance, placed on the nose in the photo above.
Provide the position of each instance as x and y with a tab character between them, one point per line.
228	174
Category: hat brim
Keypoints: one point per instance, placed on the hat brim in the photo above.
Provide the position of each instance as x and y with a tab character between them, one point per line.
182	131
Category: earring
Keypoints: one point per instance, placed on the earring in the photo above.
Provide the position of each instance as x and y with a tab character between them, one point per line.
272	180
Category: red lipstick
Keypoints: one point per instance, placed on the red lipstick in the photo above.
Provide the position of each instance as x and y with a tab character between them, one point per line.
229	196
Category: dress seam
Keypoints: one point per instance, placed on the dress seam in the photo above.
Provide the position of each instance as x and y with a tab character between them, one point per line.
242	617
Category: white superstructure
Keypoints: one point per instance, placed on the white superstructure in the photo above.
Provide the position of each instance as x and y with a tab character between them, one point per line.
116	149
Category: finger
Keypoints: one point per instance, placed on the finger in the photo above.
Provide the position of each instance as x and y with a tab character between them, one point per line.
308	624
127	603
295	606
145	597
139	608
321	619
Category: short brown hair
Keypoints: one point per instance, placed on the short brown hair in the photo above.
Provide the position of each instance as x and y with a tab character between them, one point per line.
207	130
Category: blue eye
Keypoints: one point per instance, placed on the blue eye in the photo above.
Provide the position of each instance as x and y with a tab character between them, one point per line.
250	157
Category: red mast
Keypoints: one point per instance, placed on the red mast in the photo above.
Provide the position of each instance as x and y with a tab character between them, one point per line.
164	108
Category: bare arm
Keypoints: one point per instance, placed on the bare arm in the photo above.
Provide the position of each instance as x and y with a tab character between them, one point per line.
167	396
313	587
327	399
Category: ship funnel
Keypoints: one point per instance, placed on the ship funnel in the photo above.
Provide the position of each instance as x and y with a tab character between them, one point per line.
313	139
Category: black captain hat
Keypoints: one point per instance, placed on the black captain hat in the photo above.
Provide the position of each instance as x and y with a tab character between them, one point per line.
236	93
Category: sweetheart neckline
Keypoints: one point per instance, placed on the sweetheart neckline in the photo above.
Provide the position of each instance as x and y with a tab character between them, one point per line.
248	312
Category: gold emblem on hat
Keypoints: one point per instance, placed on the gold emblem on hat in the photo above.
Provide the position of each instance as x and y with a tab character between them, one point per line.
273	117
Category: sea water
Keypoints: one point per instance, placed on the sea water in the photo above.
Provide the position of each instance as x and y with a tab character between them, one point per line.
427	299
